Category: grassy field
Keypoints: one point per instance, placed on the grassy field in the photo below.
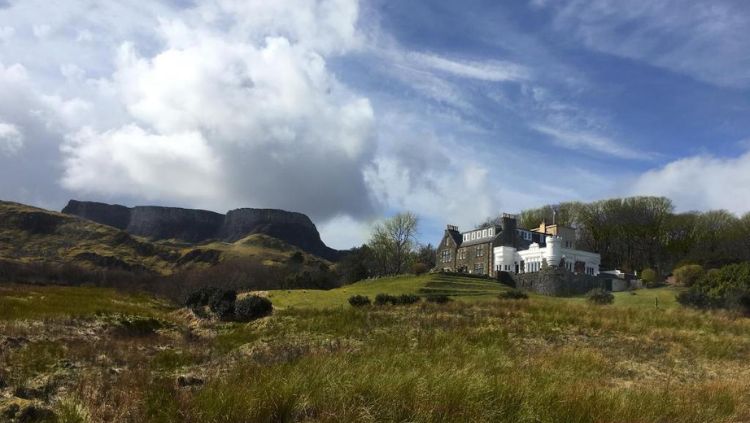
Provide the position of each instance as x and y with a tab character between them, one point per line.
316	359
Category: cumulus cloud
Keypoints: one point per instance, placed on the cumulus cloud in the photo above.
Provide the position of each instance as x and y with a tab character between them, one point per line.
259	118
11	139
701	183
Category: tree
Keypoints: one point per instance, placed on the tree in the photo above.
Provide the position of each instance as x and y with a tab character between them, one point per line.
688	274
649	276
357	264
393	242
427	256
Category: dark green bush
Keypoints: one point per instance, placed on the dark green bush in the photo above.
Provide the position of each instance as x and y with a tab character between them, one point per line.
200	297
419	269
600	296
439	299
252	307
407	299
359	301
514	294
383	299
222	303
728	288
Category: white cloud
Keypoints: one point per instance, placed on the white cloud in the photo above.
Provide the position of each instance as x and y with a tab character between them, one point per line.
705	40
11	139
344	232
130	161
6	33
585	141
286	132
701	183
41	31
490	70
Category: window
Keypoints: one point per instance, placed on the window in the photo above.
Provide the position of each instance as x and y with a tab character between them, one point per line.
480	250
446	255
491	231
462	254
484	233
479	268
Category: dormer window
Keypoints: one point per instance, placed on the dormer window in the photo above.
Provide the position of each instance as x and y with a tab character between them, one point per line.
484	233
491	232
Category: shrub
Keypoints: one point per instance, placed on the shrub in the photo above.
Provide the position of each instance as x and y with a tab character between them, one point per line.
408	299
383	299
419	269
439	299
222	303
648	276
728	287
514	294
688	274
252	307
600	296
200	297
359	301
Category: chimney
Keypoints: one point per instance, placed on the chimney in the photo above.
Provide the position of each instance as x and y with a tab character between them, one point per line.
509	233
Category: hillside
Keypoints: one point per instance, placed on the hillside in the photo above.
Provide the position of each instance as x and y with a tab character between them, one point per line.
30	235
201	226
90	354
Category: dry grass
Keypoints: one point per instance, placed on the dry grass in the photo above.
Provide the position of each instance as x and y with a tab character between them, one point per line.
538	360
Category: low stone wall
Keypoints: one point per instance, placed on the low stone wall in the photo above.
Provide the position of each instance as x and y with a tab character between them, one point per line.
552	281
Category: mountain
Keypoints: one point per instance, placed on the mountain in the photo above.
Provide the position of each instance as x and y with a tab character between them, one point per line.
201	226
30	235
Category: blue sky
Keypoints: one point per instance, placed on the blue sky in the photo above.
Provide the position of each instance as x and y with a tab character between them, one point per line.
353	110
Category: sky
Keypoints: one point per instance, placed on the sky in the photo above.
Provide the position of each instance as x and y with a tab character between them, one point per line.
351	111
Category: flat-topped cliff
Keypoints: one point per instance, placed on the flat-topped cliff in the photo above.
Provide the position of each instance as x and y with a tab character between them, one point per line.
201	225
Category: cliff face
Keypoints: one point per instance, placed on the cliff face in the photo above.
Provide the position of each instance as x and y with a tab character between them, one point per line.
200	225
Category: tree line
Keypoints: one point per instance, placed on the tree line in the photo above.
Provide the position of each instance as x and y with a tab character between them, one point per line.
637	233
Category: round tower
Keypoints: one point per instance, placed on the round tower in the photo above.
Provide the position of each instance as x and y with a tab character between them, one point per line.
553	251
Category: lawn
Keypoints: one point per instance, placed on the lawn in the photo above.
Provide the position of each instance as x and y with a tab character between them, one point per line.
462	288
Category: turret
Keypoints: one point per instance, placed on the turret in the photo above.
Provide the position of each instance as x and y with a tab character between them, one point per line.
553	253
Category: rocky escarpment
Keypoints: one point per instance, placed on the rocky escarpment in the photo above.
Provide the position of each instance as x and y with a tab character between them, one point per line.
200	225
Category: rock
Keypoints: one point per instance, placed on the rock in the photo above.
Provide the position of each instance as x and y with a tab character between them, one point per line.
24	411
12	342
188	380
113	215
201	225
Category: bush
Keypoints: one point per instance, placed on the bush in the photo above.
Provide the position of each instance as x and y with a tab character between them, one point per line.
439	299
728	287
383	299
222	303
600	296
419	269
136	326
514	294
200	298
252	307
408	299
359	301
688	274
648	276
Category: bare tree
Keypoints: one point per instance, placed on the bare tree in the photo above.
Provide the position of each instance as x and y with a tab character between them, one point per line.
393	242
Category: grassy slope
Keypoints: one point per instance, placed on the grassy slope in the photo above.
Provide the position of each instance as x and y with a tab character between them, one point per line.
462	288
478	359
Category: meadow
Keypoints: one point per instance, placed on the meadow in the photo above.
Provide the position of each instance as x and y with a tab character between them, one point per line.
476	358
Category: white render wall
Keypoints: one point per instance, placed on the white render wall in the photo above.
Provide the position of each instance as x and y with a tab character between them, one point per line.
506	258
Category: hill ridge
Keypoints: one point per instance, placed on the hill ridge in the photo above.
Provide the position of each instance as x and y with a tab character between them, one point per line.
196	226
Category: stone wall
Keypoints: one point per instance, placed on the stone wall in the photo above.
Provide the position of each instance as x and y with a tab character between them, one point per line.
553	281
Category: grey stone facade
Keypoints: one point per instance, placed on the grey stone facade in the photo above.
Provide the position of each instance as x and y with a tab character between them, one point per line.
554	281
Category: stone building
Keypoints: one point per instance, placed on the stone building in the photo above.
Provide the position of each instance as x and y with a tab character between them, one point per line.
507	248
